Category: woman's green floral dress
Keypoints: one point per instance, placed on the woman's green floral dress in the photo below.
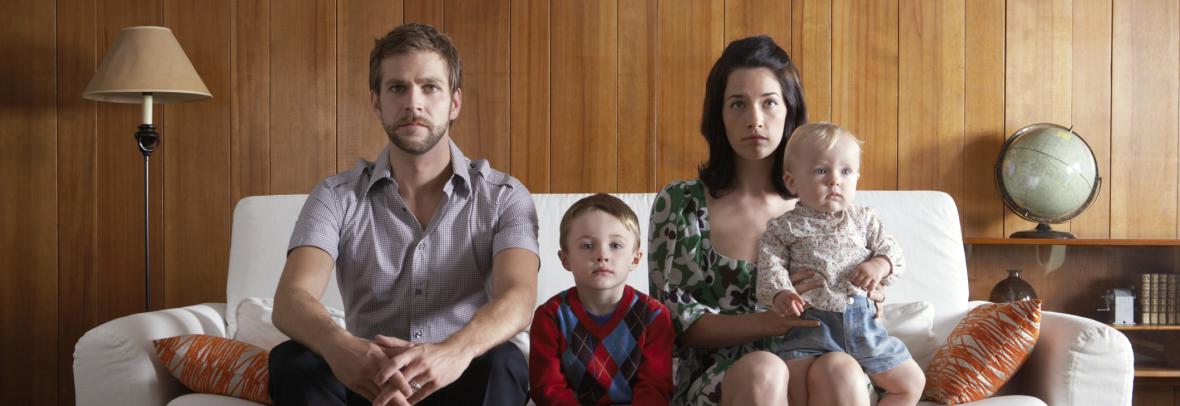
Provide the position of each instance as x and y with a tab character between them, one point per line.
692	279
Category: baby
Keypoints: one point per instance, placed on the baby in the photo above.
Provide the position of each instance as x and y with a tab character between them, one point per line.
844	245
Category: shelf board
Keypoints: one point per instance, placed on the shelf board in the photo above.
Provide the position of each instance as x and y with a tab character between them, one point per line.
1081	241
1145	327
1156	372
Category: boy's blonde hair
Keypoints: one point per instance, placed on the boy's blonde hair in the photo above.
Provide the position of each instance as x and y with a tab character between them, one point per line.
605	203
824	133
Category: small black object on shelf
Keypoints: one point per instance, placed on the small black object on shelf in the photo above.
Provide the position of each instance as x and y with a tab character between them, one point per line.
1012	289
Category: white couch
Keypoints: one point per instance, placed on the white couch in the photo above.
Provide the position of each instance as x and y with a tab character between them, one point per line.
1076	361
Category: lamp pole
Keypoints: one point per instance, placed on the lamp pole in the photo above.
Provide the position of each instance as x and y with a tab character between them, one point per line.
148	140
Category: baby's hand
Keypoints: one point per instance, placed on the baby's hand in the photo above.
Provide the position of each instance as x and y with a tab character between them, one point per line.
868	274
788	302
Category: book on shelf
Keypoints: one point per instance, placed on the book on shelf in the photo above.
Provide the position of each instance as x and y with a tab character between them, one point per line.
1159	299
1173	294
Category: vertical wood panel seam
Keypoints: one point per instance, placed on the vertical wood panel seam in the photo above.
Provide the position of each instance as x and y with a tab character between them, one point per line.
654	115
897	99
269	97
336	81
336	92
161	270
507	165
831	108
1110	122
57	325
963	137
229	146
549	90
1004	132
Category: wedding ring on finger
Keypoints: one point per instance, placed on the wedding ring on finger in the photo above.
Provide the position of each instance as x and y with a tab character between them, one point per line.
415	386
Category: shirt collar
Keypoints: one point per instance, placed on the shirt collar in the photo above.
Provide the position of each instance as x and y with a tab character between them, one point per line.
460	172
805	211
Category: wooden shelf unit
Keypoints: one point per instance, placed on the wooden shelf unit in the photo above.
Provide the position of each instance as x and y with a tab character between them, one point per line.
1156	372
1080	241
1069	276
1145	327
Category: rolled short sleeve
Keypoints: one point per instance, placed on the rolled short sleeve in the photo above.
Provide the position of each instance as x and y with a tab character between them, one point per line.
516	226
319	222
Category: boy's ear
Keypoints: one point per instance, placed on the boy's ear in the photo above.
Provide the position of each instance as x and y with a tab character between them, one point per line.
638	257
565	263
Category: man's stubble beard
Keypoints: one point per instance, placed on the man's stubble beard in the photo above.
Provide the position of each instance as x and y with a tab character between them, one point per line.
436	134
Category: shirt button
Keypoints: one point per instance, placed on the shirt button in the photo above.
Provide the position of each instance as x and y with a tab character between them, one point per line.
850	300
417	291
418	334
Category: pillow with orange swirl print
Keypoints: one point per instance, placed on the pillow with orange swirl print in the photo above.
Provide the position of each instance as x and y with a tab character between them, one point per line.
983	351
216	365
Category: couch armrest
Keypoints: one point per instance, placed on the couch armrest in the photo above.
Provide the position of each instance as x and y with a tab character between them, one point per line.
116	364
1079	361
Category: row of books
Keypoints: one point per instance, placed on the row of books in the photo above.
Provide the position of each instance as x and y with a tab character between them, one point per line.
1159	298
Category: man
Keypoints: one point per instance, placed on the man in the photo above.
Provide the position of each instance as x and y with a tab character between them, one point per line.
436	257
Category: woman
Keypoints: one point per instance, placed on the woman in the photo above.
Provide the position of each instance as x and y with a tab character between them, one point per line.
703	270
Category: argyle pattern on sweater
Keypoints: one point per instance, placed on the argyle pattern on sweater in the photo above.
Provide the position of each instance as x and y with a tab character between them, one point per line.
601	361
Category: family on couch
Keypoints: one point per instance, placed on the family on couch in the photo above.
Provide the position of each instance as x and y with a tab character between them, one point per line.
437	257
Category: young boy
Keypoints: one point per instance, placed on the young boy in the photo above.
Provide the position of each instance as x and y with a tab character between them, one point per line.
600	342
841	243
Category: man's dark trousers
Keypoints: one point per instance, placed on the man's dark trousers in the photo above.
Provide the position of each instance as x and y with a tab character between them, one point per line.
299	376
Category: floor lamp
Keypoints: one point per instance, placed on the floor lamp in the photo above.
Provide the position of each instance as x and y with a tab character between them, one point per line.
146	65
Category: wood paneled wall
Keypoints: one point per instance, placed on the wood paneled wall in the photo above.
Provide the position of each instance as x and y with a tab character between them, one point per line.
569	96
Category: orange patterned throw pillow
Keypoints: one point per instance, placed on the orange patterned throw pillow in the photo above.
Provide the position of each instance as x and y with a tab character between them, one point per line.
209	364
983	351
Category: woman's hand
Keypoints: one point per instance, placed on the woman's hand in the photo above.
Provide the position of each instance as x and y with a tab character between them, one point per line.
777	324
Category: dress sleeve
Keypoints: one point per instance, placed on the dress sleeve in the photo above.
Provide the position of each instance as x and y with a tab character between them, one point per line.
773	262
654	383
883	245
548	383
672	262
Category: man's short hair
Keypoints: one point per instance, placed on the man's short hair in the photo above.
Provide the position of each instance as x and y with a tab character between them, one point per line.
605	203
413	37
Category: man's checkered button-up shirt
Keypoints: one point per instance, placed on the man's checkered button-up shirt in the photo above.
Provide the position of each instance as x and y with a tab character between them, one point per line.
398	278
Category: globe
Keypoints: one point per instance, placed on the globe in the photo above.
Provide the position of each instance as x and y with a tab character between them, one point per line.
1047	174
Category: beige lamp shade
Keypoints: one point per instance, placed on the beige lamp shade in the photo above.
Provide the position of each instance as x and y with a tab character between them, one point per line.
146	60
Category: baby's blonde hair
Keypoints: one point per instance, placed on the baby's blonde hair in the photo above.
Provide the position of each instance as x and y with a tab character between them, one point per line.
602	202
823	133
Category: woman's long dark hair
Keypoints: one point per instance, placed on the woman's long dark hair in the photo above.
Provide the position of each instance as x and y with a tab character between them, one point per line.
754	52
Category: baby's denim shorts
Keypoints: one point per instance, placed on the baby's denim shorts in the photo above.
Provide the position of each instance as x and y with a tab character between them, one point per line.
856	332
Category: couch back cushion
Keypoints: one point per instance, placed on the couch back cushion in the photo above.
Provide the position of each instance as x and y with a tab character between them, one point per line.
258	250
925	224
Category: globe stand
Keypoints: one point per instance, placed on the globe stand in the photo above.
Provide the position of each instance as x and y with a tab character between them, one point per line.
1043	231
